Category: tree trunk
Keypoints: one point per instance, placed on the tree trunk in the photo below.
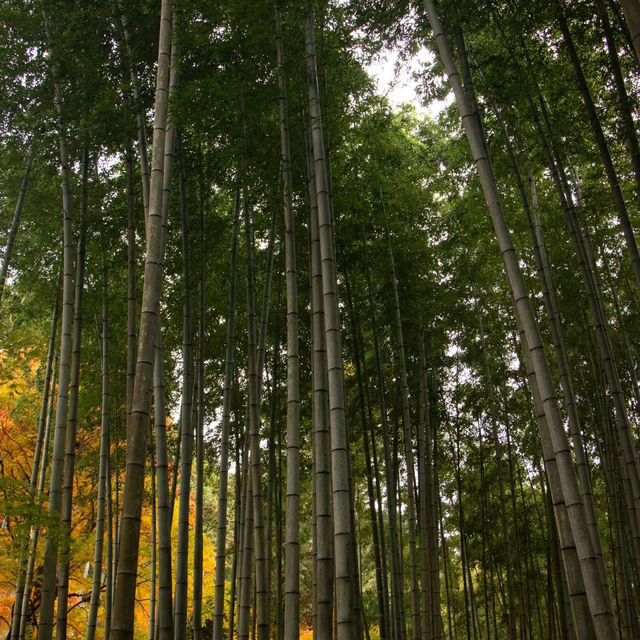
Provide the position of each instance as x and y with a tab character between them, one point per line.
428	504
572	578
292	524
398	628
627	347
165	497
40	464
632	16
138	421
601	141
72	422
37	469
14	226
599	599
397	515
408	444
625	107
511	607
104	464
487	592
236	536
186	429
198	536
164	619
321	437
261	348
358	357
280	535
345	607
221	531
116	516
140	116
245	546
254	383
460	509
153	578
553	160
630	470
567	627
510	611
427	631
448	582
433	486
272	471
557	333
380	515
109	583
132	310
47	598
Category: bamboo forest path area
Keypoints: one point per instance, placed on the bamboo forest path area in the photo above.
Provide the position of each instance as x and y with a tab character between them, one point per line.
319	319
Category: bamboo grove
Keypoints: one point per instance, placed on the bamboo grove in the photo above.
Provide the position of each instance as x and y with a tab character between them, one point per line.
268	369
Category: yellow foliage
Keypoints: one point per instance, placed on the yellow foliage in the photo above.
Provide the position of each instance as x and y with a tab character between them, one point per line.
20	395
19	398
306	634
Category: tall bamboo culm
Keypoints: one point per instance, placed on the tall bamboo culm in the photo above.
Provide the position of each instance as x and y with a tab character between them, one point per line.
36	485
345	610
139	419
47	598
599	599
227	396
104	465
292	525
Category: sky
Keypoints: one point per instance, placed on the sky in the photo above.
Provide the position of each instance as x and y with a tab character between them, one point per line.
399	83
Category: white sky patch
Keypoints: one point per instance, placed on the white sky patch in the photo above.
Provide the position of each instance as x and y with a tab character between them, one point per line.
108	162
398	80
